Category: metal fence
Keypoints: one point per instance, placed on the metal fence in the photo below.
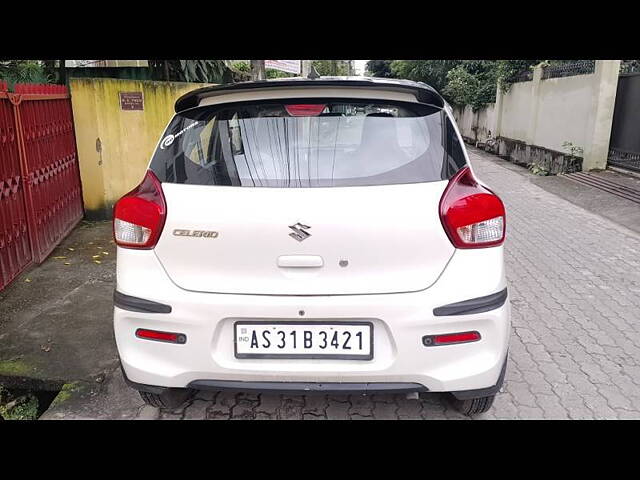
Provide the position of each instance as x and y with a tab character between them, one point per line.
579	67
624	146
524	76
626	160
40	193
630	66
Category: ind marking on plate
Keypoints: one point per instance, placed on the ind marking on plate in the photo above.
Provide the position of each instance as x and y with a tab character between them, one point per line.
131	101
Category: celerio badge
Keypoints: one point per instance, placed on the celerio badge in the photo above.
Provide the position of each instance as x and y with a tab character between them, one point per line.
195	233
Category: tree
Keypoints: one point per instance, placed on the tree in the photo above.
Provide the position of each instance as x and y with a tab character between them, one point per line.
331	67
379	68
508	70
472	82
461	82
273	73
205	71
432	72
24	71
258	71
240	70
629	66
461	87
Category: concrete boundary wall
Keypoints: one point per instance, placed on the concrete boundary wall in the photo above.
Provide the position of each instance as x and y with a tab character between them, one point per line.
534	118
475	126
115	142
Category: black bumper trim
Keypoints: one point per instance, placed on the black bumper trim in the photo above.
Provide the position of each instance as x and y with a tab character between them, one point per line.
307	387
135	304
475	305
483	392
284	387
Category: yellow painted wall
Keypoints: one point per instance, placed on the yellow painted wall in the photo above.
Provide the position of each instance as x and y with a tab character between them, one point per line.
114	145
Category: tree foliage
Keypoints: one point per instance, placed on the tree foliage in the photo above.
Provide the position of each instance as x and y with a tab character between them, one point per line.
205	71
508	70
273	73
240	70
630	66
461	82
24	71
244	68
473	82
331	67
379	68
432	72
241	66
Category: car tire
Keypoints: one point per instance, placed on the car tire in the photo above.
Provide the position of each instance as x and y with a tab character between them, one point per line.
474	406
170	398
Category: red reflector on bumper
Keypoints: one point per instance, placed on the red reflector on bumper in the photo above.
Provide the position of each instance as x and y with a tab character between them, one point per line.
450	338
161	336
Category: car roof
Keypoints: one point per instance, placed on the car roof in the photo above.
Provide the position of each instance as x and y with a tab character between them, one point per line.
423	92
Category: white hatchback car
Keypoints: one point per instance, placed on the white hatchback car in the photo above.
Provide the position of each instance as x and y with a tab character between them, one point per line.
312	235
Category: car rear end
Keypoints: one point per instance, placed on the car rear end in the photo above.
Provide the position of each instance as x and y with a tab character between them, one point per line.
312	236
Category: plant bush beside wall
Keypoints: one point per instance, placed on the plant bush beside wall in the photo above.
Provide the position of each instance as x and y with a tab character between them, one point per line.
23	71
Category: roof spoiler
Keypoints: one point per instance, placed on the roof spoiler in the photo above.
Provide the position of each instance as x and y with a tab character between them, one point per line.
423	92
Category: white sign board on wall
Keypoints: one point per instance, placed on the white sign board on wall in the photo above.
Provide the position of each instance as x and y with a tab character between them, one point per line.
289	66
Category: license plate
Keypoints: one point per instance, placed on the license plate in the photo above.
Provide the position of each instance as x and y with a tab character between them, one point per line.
337	340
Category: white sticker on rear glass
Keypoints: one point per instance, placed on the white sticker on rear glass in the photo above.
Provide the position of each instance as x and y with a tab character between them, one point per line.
168	140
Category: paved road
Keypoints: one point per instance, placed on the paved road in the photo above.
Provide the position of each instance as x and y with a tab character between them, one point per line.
575	348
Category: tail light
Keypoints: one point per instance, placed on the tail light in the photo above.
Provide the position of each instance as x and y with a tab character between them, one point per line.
472	215
304	110
138	217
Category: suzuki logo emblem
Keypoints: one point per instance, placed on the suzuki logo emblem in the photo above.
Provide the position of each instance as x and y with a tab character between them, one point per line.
299	232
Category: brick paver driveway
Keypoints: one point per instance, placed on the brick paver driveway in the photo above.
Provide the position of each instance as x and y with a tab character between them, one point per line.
574	280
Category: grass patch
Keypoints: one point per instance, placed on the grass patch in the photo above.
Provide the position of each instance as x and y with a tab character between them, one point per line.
23	407
65	393
14	368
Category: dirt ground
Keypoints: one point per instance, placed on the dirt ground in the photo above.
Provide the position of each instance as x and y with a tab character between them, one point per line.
55	319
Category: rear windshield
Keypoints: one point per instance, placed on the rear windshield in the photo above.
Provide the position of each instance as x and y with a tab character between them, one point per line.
317	143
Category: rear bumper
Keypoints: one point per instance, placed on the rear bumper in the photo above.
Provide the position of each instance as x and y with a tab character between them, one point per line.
320	388
401	362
